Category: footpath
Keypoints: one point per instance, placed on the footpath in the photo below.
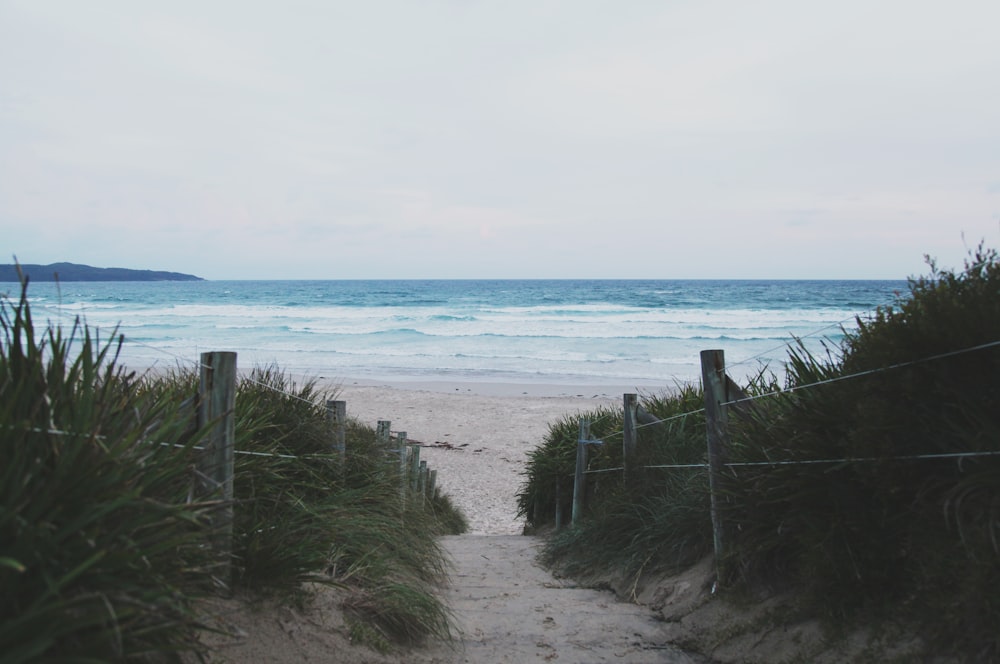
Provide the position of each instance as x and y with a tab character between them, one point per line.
508	609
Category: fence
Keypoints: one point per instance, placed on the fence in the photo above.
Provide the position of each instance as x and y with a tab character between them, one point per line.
721	394
216	403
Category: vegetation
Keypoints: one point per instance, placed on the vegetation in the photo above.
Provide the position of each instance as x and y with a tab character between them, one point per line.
891	527
103	550
655	522
75	272
907	530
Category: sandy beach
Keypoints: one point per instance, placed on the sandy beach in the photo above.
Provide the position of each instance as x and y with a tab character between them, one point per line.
476	435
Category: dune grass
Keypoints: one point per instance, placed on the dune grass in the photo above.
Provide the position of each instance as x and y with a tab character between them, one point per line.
635	527
889	538
100	551
893	535
103	550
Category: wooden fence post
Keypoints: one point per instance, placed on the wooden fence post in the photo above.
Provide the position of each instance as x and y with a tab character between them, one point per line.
422	480
216	406
383	432
629	439
432	483
713	373
401	446
579	478
402	450
414	467
336	415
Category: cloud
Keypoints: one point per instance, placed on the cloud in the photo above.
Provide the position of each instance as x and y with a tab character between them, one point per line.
515	139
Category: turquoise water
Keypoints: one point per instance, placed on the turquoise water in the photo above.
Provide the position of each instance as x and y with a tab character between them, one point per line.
572	331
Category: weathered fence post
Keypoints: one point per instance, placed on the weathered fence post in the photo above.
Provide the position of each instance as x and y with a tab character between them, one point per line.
414	467
713	373
216	404
336	415
401	450
422	480
383	432
401	447
579	478
432	477
629	438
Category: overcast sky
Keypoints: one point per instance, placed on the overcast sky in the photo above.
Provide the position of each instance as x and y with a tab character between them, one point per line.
238	139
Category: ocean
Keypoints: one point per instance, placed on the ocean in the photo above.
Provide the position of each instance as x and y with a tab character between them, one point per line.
579	332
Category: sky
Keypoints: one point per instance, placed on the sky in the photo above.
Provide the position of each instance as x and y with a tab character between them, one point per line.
325	139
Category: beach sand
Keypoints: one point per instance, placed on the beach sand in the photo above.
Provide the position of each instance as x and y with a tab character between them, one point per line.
476	435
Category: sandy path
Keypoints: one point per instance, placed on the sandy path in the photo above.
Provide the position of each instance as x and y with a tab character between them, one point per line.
477	442
506	609
509	609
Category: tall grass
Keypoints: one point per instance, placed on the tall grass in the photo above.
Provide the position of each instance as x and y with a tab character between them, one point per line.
302	516
656	522
873	535
912	537
103	546
100	551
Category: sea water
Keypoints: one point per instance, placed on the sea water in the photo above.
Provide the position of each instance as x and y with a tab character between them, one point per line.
581	332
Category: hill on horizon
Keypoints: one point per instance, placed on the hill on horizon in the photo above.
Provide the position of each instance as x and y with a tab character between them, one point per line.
77	272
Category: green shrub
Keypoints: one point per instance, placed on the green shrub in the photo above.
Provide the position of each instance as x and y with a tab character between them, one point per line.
891	533
100	552
657	521
869	515
301	514
102	549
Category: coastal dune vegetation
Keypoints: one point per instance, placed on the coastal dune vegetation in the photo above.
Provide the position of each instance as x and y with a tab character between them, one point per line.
104	544
865	482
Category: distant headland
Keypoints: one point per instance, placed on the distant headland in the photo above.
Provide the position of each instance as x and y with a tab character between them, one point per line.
76	272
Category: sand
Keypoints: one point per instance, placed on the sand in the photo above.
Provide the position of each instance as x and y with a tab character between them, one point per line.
509	609
476	435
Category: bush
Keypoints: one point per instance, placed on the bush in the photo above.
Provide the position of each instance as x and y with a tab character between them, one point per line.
100	552
890	533
656	522
102	548
303	515
880	520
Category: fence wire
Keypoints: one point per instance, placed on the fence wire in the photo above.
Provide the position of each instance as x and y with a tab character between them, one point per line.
796	388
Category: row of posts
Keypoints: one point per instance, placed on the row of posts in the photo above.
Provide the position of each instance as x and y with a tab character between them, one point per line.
414	473
720	391
216	408
217	399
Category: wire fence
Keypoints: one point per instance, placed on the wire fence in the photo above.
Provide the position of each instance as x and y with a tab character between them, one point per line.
714	402
198	365
718	391
744	399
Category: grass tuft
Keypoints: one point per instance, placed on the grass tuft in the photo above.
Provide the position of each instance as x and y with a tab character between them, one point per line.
886	540
103	547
